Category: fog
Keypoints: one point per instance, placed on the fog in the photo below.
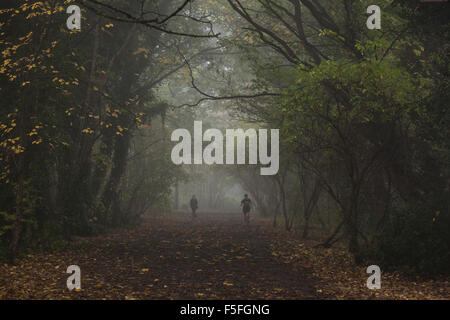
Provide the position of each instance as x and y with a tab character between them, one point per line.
313	135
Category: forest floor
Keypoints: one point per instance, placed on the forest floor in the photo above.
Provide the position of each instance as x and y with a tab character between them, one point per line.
211	257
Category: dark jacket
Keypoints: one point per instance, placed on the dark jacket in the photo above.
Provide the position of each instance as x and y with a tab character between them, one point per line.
194	203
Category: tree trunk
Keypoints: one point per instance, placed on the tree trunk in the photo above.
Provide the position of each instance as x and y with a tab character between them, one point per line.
177	194
17	226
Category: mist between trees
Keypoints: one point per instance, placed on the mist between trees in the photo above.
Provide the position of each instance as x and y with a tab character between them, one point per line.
87	116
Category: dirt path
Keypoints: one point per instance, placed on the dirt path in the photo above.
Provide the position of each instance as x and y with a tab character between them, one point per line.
166	258
213	257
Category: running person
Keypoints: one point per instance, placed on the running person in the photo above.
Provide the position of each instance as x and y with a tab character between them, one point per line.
246	205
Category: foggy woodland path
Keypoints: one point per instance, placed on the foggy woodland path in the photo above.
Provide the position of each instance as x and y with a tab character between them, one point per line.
147	104
169	258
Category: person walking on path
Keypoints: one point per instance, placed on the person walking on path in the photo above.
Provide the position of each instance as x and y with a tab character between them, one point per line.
194	206
246	205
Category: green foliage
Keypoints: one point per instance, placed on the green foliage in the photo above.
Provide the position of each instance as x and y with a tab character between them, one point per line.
415	239
357	92
371	122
